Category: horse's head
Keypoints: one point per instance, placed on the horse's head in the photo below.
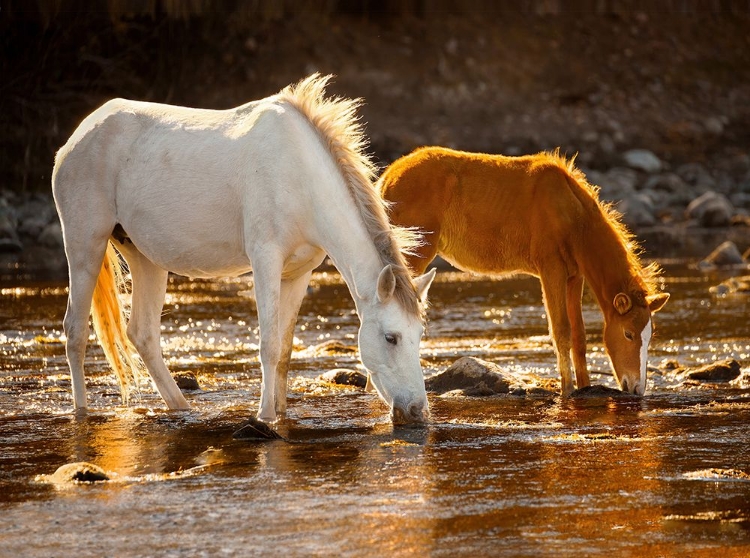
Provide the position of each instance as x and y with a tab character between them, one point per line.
627	333
389	338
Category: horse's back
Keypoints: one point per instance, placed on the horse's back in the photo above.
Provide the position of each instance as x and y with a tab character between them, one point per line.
183	183
495	214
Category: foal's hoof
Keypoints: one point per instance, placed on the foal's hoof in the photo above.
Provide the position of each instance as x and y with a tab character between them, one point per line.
255	429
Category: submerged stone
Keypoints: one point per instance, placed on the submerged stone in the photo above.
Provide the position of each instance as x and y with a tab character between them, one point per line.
732	286
80	472
255	429
333	347
344	377
600	391
720	371
472	377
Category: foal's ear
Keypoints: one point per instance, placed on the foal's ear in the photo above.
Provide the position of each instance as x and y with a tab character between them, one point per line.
622	303
423	282
656	302
386	284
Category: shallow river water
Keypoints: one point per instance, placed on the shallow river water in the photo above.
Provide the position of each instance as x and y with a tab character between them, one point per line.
664	475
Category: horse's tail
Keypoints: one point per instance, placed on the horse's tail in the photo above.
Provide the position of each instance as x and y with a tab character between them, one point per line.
109	317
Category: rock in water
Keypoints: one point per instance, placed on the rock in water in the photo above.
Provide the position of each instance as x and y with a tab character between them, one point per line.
600	391
473	376
80	472
186	381
333	347
344	377
255	429
725	254
721	371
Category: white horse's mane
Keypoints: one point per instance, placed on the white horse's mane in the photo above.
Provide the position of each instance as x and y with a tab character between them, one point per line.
336	120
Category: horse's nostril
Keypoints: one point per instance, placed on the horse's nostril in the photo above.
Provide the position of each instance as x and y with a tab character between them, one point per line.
416	411
624	384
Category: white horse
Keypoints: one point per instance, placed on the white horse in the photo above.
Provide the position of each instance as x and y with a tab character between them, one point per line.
272	186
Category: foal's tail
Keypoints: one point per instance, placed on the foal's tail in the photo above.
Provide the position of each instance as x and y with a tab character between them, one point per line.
108	315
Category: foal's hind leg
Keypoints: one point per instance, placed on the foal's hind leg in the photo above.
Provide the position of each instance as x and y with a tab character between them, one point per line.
578	330
291	294
554	289
144	331
84	263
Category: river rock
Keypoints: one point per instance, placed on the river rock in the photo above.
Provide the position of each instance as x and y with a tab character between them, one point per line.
697	176
51	235
711	210
617	183
80	472
333	347
726	254
344	377
600	391
720	371
186	381
732	286
255	429
472	376
642	159
637	210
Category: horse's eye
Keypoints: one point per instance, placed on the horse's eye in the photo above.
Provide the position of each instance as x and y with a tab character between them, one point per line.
629	335
391	338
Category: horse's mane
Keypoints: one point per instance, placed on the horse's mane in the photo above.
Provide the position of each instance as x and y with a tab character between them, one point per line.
336	121
649	274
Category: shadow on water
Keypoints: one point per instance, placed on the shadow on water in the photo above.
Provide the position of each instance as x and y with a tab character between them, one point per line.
667	474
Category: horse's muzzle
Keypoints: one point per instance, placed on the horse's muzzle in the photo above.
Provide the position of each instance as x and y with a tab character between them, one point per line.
414	414
636	388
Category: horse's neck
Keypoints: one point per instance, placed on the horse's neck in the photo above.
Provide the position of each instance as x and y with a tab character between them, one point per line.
605	263
346	240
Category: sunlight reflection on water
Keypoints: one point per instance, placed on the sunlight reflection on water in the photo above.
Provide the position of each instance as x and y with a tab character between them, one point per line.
488	476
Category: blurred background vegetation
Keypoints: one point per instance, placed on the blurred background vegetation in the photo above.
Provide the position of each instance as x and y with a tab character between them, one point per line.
592	76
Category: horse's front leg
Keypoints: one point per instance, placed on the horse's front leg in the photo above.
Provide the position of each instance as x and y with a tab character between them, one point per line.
291	294
267	283
554	290
578	330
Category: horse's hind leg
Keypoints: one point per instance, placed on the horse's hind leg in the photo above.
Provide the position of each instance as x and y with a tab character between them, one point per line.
144	327
84	264
578	330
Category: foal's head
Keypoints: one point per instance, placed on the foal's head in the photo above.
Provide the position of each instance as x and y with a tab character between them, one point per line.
627	333
389	338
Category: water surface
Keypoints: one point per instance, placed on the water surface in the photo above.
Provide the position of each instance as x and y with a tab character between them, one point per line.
664	475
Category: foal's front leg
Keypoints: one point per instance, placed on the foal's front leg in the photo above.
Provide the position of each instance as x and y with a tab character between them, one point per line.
578	331
554	290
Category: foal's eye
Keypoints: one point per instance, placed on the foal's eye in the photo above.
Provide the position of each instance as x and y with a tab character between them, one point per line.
629	335
391	338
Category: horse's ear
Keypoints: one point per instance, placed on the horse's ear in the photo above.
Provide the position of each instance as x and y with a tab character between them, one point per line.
423	282
386	284
622	303
656	302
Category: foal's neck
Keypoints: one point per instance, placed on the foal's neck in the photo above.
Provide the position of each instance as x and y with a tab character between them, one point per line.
606	263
